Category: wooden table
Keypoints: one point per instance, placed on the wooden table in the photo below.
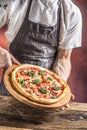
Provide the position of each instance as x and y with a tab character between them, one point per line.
15	115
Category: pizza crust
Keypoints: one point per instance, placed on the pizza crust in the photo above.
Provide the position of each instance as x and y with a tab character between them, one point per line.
34	97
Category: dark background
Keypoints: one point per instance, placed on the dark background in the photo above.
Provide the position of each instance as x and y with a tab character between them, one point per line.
78	77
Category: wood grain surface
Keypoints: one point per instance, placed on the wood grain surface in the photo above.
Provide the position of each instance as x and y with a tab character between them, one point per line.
15	115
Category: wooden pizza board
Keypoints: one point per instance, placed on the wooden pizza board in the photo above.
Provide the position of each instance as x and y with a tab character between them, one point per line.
12	90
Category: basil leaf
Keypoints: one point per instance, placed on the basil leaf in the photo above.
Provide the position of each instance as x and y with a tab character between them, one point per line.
43	90
35	81
31	92
21	81
40	72
30	73
55	88
53	96
49	78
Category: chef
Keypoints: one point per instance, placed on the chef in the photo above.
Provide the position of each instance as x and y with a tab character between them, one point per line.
40	32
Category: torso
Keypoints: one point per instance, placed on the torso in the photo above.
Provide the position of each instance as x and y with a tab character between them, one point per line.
36	43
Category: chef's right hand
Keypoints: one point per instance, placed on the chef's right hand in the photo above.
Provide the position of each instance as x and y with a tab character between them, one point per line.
6	59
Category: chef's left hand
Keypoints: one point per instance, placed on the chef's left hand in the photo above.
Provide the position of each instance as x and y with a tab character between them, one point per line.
6	59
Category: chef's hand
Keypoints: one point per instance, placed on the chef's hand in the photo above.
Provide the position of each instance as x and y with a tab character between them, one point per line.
6	59
67	105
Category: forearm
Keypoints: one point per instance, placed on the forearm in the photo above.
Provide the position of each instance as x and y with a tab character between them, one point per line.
62	65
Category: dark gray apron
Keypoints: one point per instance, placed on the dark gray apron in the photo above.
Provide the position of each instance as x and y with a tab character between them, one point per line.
35	44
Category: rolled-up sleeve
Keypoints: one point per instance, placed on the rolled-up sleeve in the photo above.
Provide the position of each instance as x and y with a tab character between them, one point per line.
71	27
4	11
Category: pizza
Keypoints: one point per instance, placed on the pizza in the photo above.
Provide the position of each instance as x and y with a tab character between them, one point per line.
38	84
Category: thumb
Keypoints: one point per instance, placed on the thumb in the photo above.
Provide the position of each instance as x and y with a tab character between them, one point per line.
9	61
14	60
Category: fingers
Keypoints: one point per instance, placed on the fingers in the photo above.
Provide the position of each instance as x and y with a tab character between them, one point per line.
7	59
14	60
67	105
9	62
64	107
72	97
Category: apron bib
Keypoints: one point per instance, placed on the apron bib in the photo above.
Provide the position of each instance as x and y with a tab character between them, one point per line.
36	43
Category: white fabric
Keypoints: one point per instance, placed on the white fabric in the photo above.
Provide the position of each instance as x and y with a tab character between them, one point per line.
44	12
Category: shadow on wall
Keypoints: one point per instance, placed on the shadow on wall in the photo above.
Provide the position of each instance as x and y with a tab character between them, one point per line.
78	78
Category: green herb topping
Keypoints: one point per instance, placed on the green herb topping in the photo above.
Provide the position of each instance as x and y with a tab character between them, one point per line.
30	73
43	90
40	72
31	92
35	81
55	88
53	96
21	81
49	78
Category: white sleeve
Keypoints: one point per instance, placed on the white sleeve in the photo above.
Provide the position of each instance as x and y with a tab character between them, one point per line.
71	27
4	11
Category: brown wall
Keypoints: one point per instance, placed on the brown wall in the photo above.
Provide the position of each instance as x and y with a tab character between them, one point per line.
78	77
